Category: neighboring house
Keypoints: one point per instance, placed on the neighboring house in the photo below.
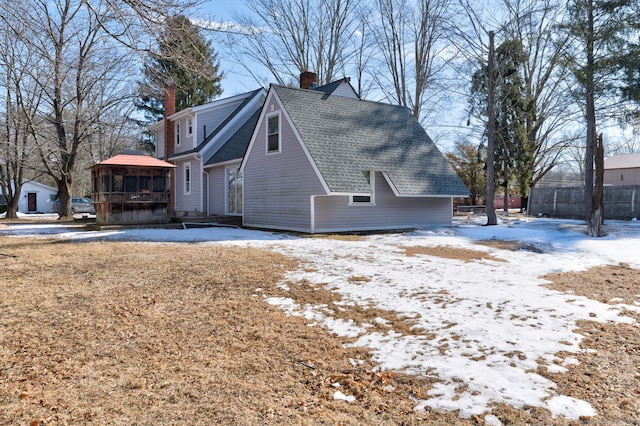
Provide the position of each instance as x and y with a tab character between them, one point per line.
622	170
35	198
316	159
207	143
330	162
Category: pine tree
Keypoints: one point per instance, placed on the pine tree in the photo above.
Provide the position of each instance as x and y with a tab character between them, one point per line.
186	57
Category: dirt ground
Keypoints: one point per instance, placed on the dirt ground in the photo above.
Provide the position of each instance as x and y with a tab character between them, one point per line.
126	333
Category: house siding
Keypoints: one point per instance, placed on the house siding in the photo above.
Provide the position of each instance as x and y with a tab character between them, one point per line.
212	119
222	138
217	190
185	144
277	186
193	201
333	213
618	177
345	90
160	143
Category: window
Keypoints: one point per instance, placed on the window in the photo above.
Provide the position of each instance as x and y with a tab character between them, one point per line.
189	126
130	184
273	134
234	186
177	133
365	200
621	177
187	178
144	183
159	183
118	183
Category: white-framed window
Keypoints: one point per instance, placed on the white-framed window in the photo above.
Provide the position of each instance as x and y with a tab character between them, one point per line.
365	200
187	178
189	126
273	133
177	134
234	191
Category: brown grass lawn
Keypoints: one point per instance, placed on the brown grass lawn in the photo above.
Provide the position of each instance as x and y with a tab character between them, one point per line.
127	333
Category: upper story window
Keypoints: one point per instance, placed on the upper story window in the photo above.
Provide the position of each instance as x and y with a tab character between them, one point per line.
273	133
365	200
189	126
177	134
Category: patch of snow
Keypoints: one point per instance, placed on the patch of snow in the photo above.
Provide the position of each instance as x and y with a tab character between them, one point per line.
339	396
570	408
478	328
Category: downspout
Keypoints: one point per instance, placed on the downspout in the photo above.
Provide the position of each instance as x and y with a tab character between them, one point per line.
206	194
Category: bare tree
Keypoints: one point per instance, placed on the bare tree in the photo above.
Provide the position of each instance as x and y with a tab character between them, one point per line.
411	37
287	37
19	108
80	73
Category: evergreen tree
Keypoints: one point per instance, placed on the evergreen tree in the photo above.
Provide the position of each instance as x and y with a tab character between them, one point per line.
195	74
468	161
513	152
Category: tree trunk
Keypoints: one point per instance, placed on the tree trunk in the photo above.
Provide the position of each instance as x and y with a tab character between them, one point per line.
491	136
505	187
596	217
592	212
64	195
12	206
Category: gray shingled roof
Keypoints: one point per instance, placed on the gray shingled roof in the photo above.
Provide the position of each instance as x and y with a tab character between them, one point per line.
346	137
222	125
235	147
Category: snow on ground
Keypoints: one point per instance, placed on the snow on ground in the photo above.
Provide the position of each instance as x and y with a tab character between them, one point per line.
482	327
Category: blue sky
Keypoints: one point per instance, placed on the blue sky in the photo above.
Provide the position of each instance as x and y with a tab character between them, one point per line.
235	81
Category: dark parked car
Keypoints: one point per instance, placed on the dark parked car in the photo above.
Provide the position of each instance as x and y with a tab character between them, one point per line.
78	205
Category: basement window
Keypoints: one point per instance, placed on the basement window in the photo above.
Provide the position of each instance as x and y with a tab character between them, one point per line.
365	200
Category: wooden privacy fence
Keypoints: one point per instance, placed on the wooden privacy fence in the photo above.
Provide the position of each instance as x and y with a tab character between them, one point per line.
620	202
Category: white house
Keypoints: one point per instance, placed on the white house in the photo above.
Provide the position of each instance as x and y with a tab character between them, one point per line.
35	197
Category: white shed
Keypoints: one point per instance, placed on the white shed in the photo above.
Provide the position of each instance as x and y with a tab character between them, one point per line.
36	197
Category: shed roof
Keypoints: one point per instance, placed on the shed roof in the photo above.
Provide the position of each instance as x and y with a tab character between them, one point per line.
130	157
346	137
623	161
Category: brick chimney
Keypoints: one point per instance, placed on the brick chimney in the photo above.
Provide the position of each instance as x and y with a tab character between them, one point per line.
169	109
169	137
308	79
